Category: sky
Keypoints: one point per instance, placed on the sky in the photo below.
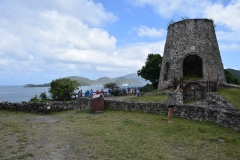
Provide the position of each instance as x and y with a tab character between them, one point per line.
43	40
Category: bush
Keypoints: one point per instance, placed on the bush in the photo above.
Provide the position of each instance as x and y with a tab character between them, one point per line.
43	96
117	91
34	99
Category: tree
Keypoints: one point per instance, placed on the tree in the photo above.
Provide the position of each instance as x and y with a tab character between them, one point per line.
114	88
230	78
111	86
63	88
151	70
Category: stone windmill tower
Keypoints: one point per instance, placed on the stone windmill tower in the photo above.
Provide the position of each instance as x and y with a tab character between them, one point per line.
191	51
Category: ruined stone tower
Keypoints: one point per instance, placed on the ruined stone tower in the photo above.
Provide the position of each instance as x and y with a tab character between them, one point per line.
191	50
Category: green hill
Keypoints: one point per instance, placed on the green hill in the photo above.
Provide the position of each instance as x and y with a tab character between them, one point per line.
234	72
130	79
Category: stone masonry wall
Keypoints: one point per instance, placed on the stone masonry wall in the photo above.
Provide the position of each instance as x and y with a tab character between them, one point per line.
224	116
191	37
38	107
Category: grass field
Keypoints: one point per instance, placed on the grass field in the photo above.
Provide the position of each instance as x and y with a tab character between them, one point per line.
231	94
111	135
117	135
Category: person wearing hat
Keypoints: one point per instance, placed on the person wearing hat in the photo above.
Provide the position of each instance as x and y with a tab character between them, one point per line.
171	101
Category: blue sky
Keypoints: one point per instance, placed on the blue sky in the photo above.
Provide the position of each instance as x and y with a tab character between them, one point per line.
42	40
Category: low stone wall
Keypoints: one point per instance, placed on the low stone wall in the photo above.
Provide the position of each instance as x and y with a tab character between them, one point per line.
38	107
212	98
227	85
228	117
83	104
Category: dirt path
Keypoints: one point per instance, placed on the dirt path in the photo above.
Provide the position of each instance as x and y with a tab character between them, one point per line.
29	136
38	137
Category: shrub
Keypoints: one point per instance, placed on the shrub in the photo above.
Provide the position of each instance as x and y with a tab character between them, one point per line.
34	99
43	96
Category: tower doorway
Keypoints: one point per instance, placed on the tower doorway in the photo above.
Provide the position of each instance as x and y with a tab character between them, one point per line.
192	67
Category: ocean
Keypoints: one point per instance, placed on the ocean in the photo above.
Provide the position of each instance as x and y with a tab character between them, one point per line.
21	93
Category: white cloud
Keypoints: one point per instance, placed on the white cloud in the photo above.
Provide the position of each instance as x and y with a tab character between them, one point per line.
30	57
229	47
168	8
144	31
228	16
59	43
85	10
51	36
3	63
233	36
99	68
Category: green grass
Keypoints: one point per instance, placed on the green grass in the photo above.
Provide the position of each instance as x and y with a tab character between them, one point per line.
124	134
150	98
231	94
25	156
135	135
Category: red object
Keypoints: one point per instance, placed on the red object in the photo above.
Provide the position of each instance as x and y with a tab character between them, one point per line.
97	104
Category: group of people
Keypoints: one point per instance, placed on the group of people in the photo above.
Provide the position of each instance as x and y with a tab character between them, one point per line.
89	93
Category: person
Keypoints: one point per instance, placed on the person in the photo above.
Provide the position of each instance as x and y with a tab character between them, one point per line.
102	91
137	93
128	90
91	93
170	101
109	92
87	93
80	93
124	91
97	92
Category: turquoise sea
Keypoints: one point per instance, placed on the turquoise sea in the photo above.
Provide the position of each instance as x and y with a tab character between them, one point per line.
21	93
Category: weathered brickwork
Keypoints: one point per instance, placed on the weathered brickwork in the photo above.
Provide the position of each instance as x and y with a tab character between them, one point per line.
191	38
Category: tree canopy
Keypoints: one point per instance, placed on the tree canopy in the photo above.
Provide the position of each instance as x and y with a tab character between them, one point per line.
151	70
111	86
230	78
63	88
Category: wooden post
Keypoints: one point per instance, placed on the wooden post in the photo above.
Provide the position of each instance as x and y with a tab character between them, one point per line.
194	91
207	86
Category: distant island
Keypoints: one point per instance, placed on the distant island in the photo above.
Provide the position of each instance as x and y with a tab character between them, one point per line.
129	79
37	85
